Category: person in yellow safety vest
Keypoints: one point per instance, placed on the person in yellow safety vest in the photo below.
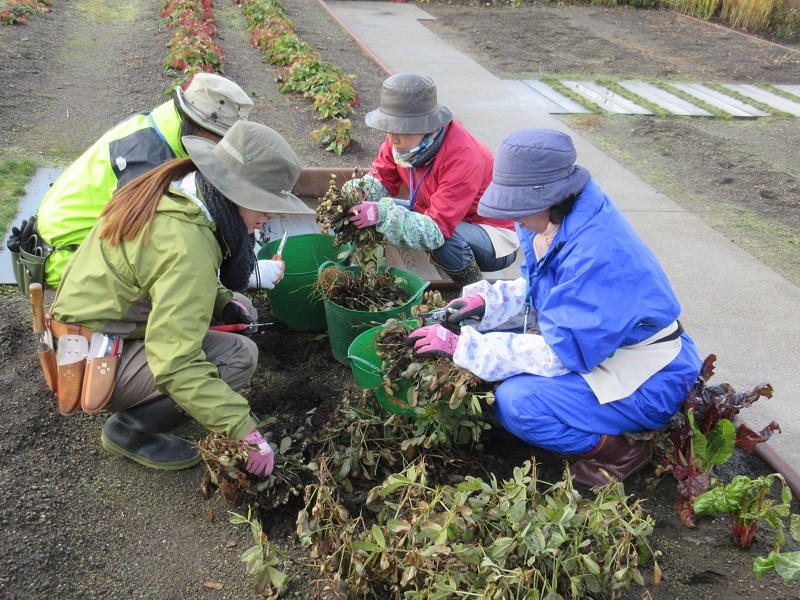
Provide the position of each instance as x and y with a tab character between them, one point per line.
208	107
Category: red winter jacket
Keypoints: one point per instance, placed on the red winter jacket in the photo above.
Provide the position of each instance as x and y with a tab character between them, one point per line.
455	180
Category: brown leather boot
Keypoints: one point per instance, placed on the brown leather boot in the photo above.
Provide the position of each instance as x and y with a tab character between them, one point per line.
614	458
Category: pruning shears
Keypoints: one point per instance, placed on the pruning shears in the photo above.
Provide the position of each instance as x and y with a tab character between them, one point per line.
238	327
439	317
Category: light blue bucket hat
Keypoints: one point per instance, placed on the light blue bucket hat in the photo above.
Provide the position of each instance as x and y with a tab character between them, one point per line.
534	169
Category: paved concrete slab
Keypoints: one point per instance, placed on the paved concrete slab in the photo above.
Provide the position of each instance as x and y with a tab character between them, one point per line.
567	104
732	106
766	97
792	89
662	98
606	99
733	305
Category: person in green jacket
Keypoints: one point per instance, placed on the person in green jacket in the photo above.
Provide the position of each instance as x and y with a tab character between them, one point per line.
207	108
148	273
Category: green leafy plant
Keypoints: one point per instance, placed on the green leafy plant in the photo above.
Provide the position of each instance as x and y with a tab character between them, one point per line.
702	435
746	501
334	137
786	564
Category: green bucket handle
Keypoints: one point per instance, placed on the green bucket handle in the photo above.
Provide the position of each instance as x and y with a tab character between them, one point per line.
325	265
365	363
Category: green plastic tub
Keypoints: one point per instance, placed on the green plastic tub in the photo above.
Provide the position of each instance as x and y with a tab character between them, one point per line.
293	301
344	325
368	374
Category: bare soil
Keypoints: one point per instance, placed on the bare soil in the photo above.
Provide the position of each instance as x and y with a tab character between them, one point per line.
76	523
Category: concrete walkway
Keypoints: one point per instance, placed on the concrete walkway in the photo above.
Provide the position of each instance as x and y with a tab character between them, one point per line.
733	305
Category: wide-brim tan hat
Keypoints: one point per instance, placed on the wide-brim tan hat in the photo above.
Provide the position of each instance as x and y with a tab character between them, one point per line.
409	106
214	103
252	166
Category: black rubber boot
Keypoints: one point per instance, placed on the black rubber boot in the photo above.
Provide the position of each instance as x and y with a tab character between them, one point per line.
141	434
469	274
613	459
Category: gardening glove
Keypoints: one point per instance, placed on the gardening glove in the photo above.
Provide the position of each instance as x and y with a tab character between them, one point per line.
262	458
366	188
433	340
465	311
267	273
234	313
364	214
19	235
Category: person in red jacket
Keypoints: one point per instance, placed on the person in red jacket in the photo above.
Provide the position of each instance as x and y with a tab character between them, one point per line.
445	171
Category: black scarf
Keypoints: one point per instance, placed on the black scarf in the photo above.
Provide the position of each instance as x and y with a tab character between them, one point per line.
239	257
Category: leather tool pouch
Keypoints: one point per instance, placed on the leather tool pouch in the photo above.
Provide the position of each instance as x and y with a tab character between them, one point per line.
72	352
99	382
48	360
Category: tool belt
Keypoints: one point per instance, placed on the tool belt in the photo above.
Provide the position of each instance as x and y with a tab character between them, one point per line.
87	365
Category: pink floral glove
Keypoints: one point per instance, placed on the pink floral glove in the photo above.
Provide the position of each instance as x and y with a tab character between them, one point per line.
435	340
262	459
364	214
466	310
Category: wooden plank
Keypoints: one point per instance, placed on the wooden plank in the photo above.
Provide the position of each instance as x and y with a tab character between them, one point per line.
766	97
671	102
606	99
732	106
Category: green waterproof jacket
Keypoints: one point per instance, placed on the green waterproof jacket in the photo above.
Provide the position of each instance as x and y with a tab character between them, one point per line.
166	291
74	202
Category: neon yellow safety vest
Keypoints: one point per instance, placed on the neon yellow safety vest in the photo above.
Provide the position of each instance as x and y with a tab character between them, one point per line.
74	202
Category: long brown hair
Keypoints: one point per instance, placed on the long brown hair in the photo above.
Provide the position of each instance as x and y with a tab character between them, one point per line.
133	206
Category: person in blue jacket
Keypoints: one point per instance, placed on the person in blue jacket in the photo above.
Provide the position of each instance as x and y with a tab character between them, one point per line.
587	342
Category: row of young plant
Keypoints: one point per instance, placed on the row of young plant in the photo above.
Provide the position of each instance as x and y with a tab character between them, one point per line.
304	71
192	48
401	506
17	12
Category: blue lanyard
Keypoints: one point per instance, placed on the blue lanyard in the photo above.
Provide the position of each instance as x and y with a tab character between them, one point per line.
157	130
412	191
533	278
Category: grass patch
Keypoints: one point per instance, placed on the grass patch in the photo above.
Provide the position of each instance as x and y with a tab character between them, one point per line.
14	175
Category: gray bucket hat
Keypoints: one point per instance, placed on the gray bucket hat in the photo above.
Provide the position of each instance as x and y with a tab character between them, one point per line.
214	103
409	106
252	166
534	169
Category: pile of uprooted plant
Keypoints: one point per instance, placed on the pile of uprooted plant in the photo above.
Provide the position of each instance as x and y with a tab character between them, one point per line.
368	287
